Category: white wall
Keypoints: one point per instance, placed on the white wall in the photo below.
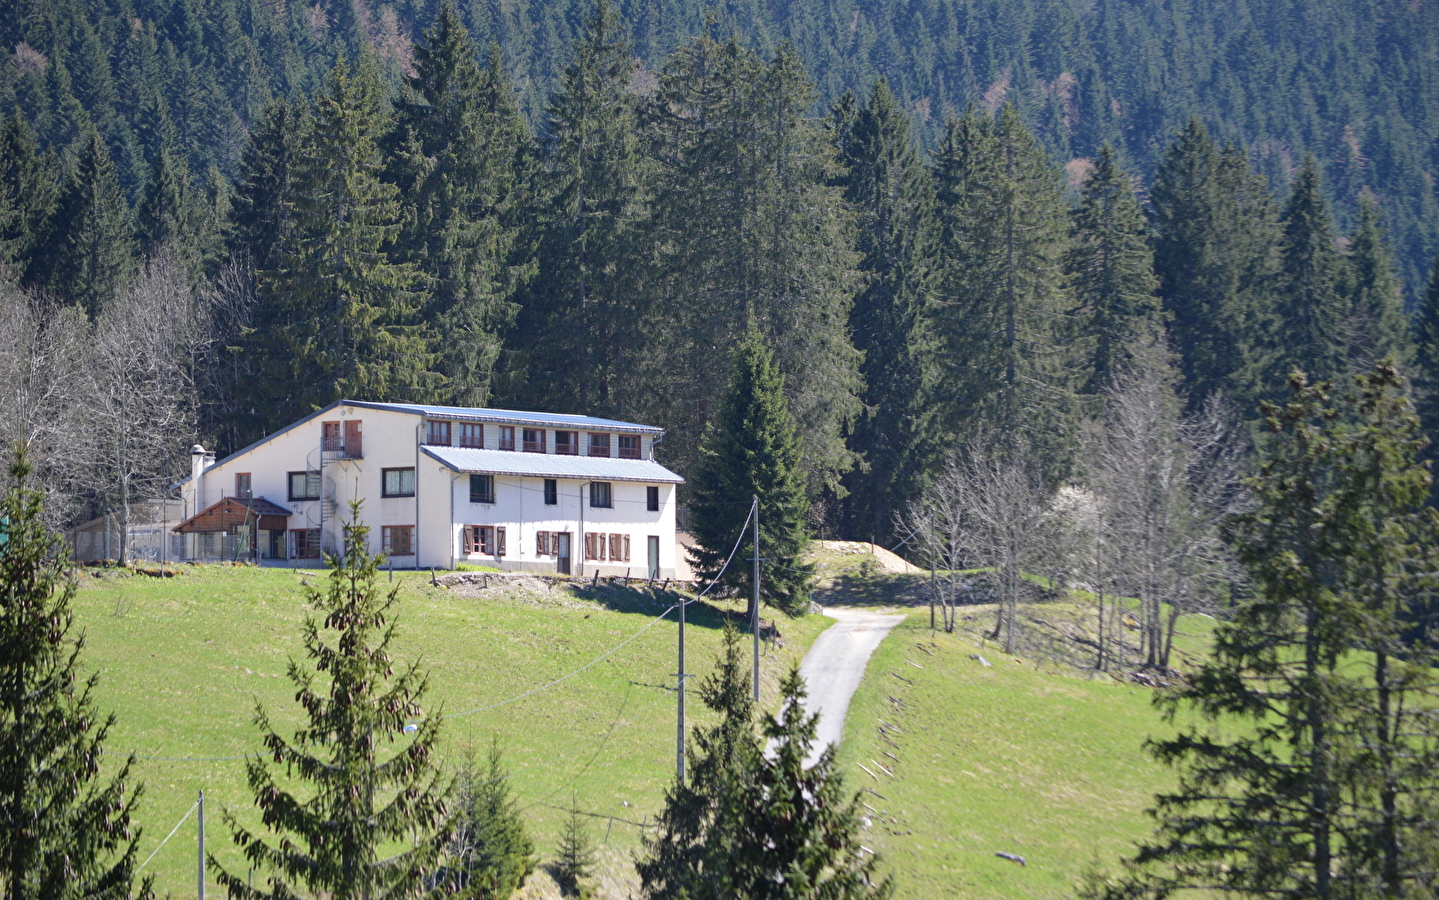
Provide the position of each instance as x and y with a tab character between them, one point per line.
390	442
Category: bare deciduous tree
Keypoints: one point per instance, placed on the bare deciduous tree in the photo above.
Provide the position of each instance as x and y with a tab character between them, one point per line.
989	509
141	385
1163	483
42	347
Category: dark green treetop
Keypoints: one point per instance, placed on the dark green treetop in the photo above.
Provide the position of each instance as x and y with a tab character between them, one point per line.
332	805
92	246
751	450
1376	326
889	186
65	833
1111	269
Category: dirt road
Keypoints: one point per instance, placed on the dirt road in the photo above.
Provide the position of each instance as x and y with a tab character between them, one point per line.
835	664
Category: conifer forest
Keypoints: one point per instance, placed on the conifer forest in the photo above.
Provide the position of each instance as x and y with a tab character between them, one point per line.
1129	307
946	220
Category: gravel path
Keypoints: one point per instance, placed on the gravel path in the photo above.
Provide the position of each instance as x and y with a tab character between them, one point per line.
835	664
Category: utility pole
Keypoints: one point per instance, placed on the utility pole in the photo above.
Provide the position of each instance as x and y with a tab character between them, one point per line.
680	733
754	614
201	879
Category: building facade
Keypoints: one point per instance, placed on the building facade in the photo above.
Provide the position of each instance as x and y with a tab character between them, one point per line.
441	486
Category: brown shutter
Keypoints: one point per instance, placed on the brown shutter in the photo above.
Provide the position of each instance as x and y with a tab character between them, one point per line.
627	548
500	541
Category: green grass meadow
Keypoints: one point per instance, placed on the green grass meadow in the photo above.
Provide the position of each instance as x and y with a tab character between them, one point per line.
184	660
1044	762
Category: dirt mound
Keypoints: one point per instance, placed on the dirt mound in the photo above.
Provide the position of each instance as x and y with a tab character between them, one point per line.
888	562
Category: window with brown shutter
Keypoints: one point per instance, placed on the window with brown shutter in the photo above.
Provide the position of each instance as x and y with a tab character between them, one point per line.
620	547
480	540
542	543
594	546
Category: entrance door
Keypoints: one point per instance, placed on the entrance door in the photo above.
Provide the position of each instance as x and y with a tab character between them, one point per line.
654	546
562	557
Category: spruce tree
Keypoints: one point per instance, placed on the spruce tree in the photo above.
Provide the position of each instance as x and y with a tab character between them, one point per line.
1424	374
697	830
750	225
580	315
575	856
1310	309
890	188
1007	354
332	805
92	248
800	834
751	450
1111	270
491	852
461	144
1309	770
260	222
65	832
27	188
338	317
1375	325
1213	244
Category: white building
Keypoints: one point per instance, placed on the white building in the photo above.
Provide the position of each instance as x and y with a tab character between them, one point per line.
445	485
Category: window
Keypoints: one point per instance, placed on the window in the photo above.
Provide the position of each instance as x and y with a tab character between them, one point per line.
398	483
620	547
242	485
484	540
472	435
599	444
546	544
305	543
304	485
567	442
482	489
600	495
439	434
330	436
507	437
594	546
552	492
652	498
534	440
399	540
629	446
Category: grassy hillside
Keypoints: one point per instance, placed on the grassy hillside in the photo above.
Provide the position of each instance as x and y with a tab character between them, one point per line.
184	660
1042	761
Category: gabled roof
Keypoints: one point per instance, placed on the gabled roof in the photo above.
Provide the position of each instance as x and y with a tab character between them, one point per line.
473	414
234	511
552	465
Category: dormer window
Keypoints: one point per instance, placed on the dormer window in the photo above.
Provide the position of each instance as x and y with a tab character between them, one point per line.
439	434
567	443
599	444
534	440
629	446
507	437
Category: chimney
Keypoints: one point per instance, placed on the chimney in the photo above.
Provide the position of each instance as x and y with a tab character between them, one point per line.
198	458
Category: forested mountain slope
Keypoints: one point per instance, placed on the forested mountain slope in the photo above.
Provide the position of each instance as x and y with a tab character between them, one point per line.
1356	82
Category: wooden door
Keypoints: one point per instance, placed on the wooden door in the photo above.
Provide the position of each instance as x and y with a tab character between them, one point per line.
562	555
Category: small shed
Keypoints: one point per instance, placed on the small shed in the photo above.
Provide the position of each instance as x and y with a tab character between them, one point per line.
233	513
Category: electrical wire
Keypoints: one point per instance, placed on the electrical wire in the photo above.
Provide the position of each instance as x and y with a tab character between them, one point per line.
563	678
168	836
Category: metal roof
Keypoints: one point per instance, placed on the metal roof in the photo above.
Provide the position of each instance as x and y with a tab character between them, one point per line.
519	417
552	465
